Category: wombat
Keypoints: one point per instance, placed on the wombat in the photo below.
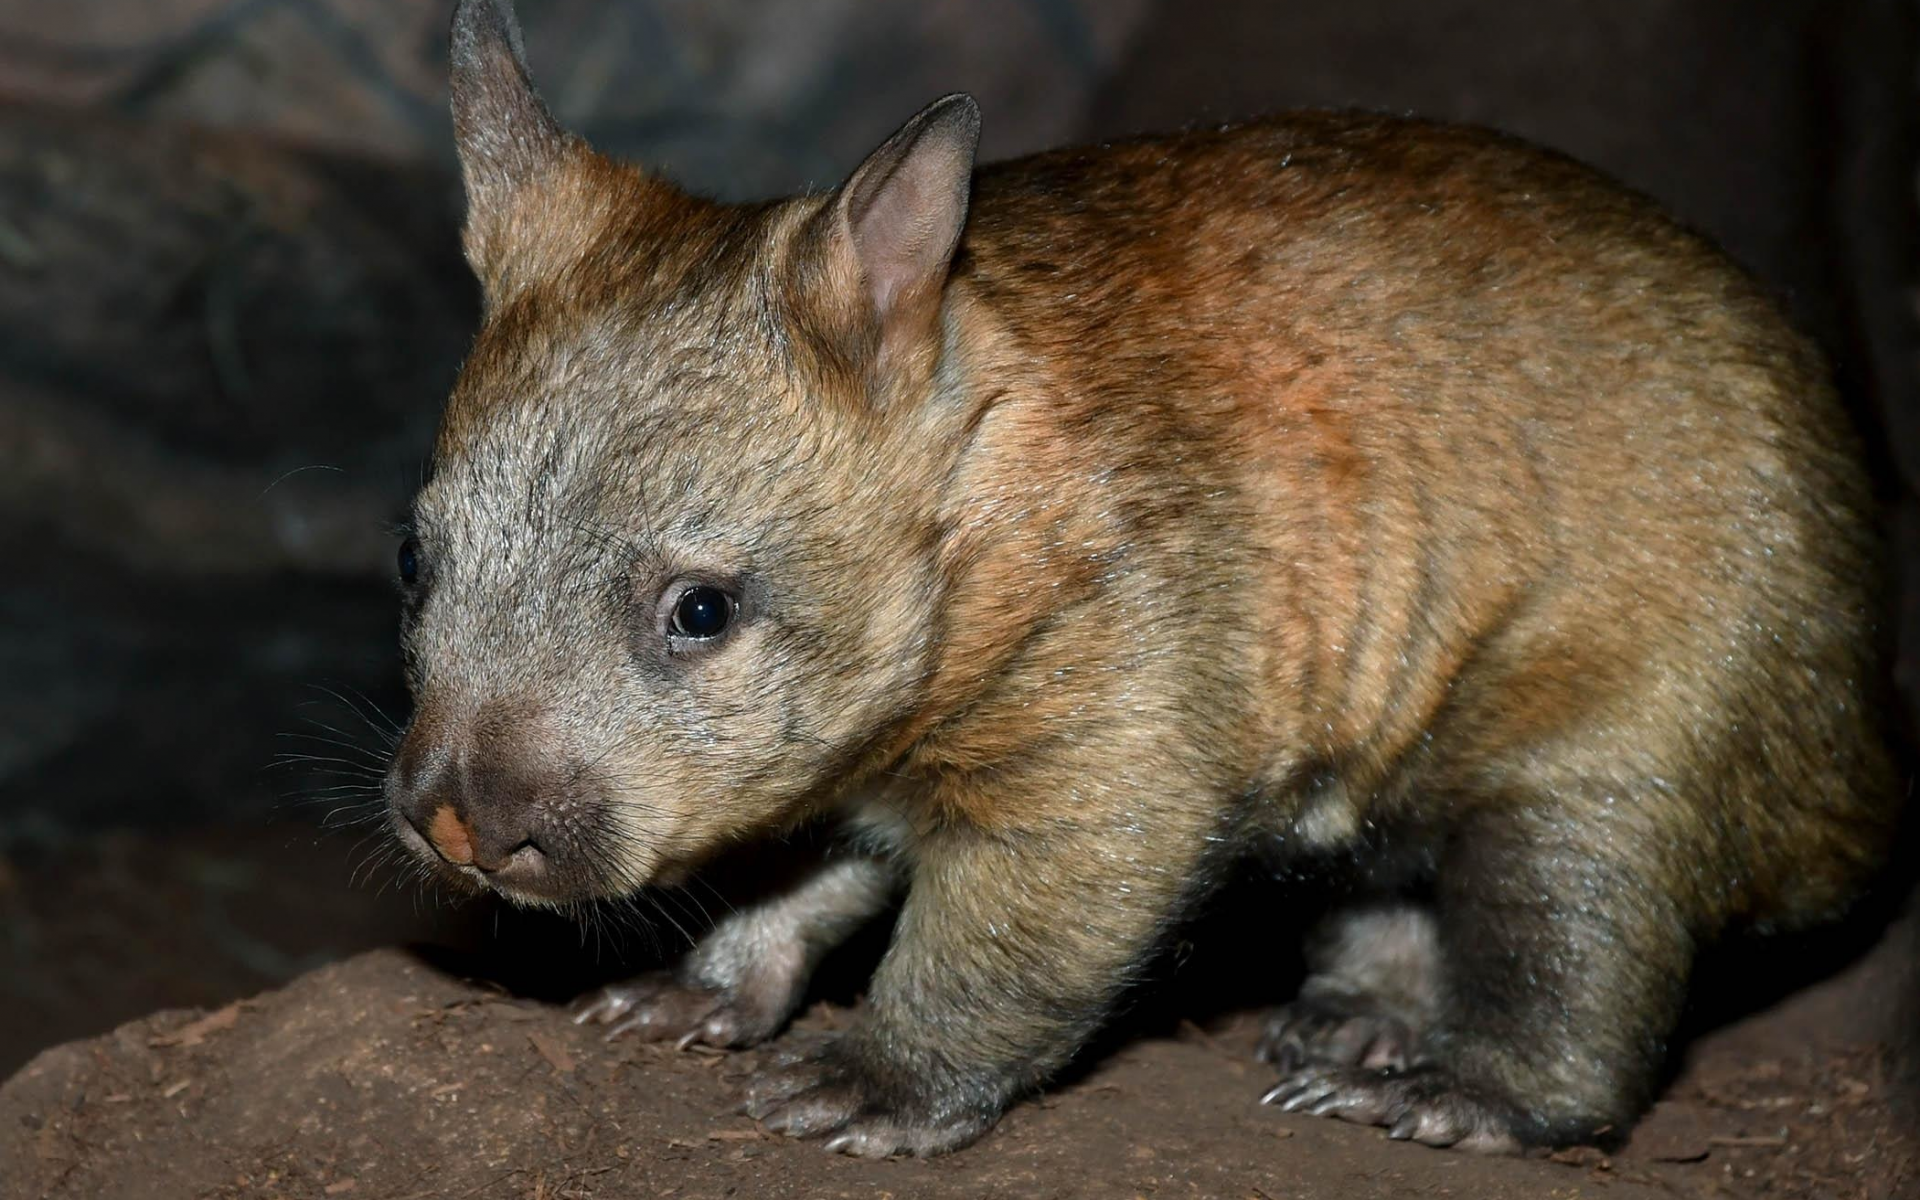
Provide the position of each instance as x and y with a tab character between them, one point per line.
1359	493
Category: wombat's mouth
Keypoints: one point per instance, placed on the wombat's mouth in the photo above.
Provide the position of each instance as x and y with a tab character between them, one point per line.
495	803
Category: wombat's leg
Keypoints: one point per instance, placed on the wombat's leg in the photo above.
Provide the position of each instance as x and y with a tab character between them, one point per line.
1008	953
1373	989
745	978
1565	952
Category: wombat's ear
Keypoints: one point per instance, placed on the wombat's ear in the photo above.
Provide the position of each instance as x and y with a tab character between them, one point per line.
506	137
901	213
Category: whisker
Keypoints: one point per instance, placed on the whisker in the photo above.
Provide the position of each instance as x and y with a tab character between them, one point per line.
371	713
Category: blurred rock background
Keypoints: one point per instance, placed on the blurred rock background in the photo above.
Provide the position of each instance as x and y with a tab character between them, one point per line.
231	300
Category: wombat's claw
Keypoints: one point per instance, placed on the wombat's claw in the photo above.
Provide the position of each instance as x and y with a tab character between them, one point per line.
1423	1105
658	1007
1346	1033
821	1093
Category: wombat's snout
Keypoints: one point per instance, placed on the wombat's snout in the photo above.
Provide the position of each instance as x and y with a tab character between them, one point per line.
488	796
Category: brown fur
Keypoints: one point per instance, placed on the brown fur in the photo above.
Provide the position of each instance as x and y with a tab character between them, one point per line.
1332	487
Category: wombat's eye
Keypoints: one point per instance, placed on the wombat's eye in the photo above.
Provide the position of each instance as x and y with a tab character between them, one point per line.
409	563
701	613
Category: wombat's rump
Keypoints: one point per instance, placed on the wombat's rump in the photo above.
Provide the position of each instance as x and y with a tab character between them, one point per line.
1336	488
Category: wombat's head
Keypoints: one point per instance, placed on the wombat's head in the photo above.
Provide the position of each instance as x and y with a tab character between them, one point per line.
677	569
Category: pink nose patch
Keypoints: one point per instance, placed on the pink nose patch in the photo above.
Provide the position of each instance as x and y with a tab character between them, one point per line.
450	836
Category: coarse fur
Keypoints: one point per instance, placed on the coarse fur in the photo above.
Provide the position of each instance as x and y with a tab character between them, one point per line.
1337	488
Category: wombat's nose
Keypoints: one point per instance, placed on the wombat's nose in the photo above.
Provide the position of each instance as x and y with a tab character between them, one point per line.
497	850
477	793
448	833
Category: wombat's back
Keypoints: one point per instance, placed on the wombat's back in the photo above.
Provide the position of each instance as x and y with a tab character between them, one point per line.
1504	461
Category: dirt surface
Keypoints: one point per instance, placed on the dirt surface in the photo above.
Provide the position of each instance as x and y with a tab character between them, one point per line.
386	1076
97	930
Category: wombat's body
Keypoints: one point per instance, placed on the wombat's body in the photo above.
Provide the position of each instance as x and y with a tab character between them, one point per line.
1334	487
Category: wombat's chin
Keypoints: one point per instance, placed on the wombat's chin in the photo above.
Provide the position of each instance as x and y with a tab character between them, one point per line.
665	875
560	891
564	886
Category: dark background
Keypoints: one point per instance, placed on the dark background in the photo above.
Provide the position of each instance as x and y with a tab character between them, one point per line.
231	302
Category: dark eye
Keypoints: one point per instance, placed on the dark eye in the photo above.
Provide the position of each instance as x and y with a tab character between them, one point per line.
409	561
701	613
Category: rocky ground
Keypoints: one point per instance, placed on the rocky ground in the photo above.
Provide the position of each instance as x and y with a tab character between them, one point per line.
406	1074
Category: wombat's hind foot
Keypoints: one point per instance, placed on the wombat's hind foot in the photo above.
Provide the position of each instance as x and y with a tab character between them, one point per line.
659	1007
1423	1104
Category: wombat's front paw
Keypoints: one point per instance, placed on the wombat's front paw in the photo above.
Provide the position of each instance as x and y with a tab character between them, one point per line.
1344	1031
660	1007
825	1091
1424	1104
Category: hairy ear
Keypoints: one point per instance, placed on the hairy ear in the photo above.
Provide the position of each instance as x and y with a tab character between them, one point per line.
506	137
900	215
